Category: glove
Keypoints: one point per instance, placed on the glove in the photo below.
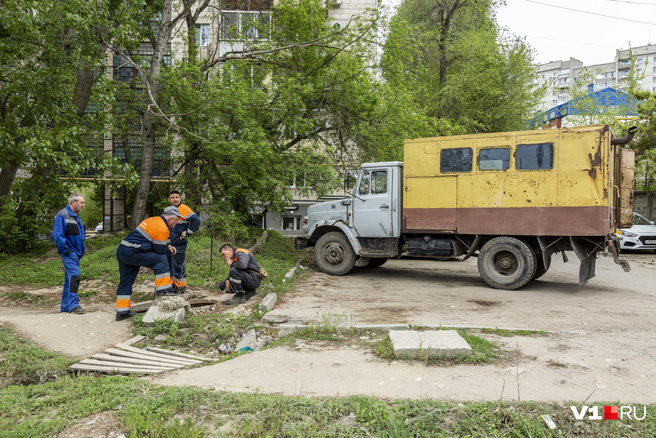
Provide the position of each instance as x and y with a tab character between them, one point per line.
183	235
68	252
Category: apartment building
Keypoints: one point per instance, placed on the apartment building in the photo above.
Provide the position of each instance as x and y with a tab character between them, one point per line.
558	76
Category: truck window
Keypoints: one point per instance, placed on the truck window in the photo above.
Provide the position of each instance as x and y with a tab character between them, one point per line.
494	159
456	160
534	156
378	182
364	184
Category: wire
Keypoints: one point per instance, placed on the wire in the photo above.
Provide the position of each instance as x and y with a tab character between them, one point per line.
633	3
591	13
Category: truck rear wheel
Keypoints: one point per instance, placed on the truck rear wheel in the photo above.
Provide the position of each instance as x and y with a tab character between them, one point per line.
333	254
506	263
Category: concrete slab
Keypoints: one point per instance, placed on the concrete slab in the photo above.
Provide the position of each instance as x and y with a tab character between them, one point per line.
268	302
439	343
154	314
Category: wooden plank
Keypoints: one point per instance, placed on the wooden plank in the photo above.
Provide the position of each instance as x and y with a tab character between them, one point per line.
107	363
177	353
130	354
162	356
110	370
127	360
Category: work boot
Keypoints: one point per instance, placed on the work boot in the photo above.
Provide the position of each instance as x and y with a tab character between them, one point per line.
182	290
238	298
124	316
175	290
250	294
79	310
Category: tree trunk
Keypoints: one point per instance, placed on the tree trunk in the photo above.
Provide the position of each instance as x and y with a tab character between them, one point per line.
151	79
7	176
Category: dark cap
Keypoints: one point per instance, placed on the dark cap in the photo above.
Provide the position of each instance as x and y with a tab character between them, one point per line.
173	191
173	210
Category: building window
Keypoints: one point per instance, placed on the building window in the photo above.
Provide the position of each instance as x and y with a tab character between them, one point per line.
640	61
203	35
238	25
291	222
456	160
534	156
494	159
124	71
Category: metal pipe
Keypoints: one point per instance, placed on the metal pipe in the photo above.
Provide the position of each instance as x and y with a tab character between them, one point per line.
628	138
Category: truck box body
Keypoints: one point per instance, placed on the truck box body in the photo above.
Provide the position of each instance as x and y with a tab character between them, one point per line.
560	183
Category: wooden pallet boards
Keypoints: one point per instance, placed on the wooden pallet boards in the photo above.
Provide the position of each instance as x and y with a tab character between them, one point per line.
126	359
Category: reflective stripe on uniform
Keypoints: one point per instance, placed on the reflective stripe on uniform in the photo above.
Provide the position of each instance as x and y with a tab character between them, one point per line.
130	244
163	281
235	280
122	303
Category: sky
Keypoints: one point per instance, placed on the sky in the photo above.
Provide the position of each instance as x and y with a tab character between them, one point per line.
588	30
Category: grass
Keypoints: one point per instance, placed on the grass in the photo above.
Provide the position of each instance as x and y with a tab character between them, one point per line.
39	397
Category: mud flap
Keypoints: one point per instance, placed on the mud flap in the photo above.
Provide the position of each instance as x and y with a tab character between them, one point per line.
615	249
586	251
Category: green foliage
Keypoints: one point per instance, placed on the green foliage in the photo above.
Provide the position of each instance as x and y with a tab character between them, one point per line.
45	49
459	66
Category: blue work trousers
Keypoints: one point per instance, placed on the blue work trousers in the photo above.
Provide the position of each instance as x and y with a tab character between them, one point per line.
177	265
129	261
70	300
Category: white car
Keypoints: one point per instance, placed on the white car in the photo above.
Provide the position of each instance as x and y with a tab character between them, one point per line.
641	236
99	228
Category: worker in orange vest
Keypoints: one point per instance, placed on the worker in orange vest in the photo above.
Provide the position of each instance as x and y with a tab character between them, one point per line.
147	245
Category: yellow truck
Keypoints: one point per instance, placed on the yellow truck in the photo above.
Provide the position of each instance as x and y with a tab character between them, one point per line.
512	199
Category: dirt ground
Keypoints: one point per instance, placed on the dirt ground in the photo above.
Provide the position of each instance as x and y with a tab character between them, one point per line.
599	345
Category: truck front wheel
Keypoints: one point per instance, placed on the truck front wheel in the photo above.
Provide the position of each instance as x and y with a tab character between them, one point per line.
506	263
334	254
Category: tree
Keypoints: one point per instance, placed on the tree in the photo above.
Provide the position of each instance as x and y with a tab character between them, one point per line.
295	105
50	56
461	66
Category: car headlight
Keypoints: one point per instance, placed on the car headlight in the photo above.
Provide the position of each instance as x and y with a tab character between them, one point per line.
626	233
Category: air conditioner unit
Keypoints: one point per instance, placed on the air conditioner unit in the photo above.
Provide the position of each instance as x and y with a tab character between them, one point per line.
338	26
337	3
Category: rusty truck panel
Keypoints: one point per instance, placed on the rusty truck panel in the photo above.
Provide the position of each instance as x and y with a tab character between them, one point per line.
541	183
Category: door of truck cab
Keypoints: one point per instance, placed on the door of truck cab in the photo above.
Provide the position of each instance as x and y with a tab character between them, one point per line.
372	203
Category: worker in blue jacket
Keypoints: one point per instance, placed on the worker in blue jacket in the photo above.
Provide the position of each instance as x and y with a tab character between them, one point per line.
68	234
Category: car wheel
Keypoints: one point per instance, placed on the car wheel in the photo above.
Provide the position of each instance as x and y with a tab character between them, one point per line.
506	263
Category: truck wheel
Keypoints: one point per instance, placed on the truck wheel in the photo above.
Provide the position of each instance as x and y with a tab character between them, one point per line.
376	262
334	254
506	263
